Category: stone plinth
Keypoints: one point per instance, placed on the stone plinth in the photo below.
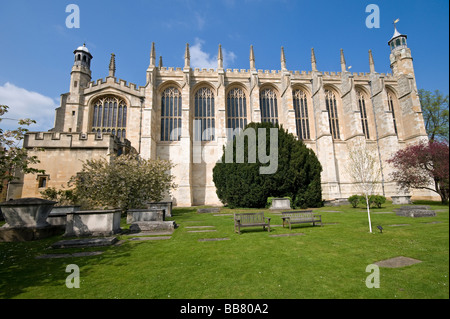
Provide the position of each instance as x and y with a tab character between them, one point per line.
145	215
20	234
415	211
152	226
93	223
58	215
27	212
401	200
280	204
208	210
166	206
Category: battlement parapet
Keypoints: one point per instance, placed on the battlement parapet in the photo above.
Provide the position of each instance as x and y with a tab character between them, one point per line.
120	84
72	140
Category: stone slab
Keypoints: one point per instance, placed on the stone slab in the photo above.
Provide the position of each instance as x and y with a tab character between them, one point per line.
152	226
397	262
213	239
150	238
208	210
189	227
80	254
85	242
151	233
287	235
21	234
396	225
201	231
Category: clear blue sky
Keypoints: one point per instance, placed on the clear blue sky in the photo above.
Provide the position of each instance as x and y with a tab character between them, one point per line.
36	47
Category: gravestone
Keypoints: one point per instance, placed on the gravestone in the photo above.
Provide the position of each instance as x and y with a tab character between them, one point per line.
26	220
280	204
401	200
208	210
93	223
415	211
166	206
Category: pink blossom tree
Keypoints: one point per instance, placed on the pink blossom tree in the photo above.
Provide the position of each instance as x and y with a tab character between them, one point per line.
423	166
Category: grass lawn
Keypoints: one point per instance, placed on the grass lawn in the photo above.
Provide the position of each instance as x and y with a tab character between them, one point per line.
324	262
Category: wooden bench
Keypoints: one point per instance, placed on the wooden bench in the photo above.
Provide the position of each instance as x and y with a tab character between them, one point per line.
250	220
300	217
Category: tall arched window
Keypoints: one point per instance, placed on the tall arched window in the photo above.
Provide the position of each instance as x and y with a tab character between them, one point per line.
268	105
330	100
363	111
171	114
109	116
204	121
391	109
236	109
301	114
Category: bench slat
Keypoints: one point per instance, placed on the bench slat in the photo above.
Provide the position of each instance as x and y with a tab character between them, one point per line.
250	219
299	217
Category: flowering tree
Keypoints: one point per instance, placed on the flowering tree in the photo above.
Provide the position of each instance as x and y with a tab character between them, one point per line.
423	165
14	159
125	182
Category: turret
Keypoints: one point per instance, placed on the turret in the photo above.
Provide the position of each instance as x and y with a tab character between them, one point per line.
81	69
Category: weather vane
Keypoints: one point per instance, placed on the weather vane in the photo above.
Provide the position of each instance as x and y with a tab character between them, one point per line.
396	21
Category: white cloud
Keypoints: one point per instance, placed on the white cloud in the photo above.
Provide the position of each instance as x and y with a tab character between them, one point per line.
201	59
27	104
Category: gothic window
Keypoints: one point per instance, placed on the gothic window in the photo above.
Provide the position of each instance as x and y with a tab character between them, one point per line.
171	114
391	109
109	116
330	100
204	121
301	115
268	105
236	109
363	112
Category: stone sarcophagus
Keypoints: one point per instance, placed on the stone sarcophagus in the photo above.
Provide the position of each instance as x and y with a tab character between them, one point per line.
93	223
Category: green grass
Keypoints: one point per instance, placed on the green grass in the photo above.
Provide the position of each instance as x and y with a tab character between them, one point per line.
325	262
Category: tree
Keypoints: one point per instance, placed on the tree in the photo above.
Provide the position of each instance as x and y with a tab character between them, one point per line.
423	166
14	159
242	184
365	171
125	182
435	114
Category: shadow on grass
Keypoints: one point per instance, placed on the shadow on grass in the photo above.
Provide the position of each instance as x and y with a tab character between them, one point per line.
20	270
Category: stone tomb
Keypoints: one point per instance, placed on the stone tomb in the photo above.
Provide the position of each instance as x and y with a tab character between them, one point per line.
166	206
415	211
280	204
93	223
149	220
26	219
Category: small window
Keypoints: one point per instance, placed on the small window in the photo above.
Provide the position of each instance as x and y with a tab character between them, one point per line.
75	84
42	181
73	113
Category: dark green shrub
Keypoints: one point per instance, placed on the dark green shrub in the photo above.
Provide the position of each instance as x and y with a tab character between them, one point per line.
354	200
377	200
297	175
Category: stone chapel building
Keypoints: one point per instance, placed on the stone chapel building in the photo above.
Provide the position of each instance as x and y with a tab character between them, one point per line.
329	111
